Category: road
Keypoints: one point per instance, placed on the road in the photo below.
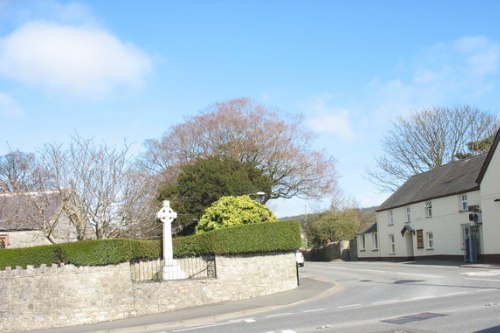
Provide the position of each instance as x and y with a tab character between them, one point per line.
382	297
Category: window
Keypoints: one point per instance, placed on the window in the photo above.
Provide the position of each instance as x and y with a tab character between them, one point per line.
428	209
393	244
391	218
362	242
420	239
464	205
408	214
430	240
375	241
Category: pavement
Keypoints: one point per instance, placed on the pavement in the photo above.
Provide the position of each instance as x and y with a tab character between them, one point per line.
308	290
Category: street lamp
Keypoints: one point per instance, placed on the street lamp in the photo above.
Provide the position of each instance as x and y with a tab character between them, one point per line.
258	196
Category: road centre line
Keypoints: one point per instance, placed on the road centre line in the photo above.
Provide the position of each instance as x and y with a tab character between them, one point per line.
458	293
487	280
280	315
421	298
422	275
388	301
314	310
371	270
348	306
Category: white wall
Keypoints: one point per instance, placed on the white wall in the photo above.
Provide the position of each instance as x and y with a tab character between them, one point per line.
371	249
445	225
490	191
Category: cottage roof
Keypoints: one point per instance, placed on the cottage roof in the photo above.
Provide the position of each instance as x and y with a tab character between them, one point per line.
27	211
369	229
453	178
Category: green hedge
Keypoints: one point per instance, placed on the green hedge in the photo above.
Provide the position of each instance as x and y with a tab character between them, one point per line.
84	253
250	238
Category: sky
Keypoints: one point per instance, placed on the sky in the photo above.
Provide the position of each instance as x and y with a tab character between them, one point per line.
122	70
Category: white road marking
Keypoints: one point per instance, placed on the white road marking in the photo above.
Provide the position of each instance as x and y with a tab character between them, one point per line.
487	280
388	301
314	310
371	270
458	293
348	306
280	315
422	297
422	275
482	273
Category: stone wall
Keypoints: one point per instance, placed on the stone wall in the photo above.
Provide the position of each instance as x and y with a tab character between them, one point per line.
55	296
329	252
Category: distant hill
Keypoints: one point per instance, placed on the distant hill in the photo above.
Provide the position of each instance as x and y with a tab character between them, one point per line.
367	216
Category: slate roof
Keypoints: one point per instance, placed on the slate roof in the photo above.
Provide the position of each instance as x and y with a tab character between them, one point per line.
453	178
370	228
21	211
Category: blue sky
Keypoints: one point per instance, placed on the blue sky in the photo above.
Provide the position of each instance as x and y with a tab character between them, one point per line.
116	70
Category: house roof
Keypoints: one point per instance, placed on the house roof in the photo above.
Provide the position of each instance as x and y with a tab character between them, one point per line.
453	178
369	229
27	211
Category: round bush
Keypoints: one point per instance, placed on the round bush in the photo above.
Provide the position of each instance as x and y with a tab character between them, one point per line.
232	211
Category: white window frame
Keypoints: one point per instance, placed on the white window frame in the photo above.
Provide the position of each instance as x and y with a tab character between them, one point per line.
375	241
363	242
392	243
391	217
408	214
430	240
428	209
464	203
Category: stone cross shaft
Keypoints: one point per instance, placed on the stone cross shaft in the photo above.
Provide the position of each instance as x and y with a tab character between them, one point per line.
171	270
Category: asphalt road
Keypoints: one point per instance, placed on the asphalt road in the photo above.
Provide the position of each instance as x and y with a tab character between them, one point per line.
383	297
365	297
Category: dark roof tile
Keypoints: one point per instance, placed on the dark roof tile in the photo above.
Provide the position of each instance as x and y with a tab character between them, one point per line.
452	178
27	211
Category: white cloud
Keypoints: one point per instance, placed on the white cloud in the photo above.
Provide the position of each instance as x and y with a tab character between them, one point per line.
330	120
8	106
80	60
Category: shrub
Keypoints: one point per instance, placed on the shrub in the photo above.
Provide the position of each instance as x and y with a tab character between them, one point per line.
231	211
252	238
83	253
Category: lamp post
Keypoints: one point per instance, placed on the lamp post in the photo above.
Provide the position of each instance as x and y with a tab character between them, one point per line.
259	196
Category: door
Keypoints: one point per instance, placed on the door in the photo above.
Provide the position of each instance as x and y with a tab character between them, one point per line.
409	245
471	243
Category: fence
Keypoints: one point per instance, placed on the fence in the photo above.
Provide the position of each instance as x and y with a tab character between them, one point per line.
190	268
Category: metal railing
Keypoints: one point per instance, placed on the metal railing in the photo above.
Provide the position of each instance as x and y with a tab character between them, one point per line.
190	268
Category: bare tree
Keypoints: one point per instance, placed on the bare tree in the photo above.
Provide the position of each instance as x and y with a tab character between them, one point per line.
427	139
16	171
98	187
248	132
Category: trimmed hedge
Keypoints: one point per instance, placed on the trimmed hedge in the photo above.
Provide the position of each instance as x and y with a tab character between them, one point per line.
83	253
250	238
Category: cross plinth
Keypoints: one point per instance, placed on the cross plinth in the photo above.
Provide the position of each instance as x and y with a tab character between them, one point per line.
171	270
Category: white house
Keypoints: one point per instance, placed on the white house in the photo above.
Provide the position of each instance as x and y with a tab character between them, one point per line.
451	212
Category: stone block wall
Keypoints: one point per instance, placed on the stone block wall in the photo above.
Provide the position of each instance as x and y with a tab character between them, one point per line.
47	297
